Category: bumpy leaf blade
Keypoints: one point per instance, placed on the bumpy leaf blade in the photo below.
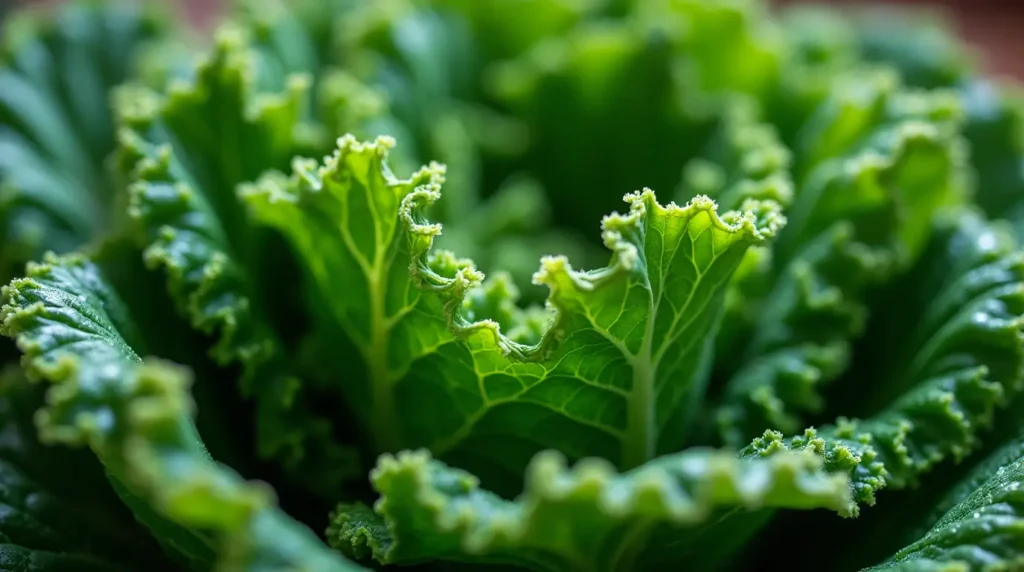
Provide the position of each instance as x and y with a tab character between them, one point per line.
925	49
596	82
136	416
49	523
856	220
183	153
984	531
965	358
587	517
55	122
618	372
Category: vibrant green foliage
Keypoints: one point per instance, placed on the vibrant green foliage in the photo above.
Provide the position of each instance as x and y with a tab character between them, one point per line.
355	237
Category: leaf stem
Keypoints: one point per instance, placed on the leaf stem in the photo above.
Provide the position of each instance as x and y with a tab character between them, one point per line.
640	443
384	418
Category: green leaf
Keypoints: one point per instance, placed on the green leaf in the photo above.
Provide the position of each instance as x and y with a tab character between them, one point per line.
429	63
722	47
744	160
55	122
308	38
65	303
923	46
983	531
617	374
586	85
136	417
424	62
920	43
946	378
856	219
49	523
584	518
191	222
995	130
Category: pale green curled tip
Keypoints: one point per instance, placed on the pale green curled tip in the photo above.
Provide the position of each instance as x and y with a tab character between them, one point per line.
623	339
136	416
624	236
587	517
846	453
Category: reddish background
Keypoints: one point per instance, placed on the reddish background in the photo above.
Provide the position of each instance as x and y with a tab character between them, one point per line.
996	27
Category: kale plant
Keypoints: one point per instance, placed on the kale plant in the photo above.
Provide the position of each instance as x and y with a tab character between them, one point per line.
338	289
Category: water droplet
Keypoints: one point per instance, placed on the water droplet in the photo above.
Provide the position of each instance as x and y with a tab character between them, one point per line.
987	241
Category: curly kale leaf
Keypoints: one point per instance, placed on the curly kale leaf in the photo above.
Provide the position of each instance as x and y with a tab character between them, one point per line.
55	122
617	373
613	371
964	358
51	523
927	53
136	416
633	84
587	517
984	530
183	154
856	220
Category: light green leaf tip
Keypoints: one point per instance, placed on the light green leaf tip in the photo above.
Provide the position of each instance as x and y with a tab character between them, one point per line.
586	518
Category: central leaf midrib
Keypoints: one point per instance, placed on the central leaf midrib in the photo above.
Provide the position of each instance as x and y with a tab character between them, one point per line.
640	442
641	436
384	418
